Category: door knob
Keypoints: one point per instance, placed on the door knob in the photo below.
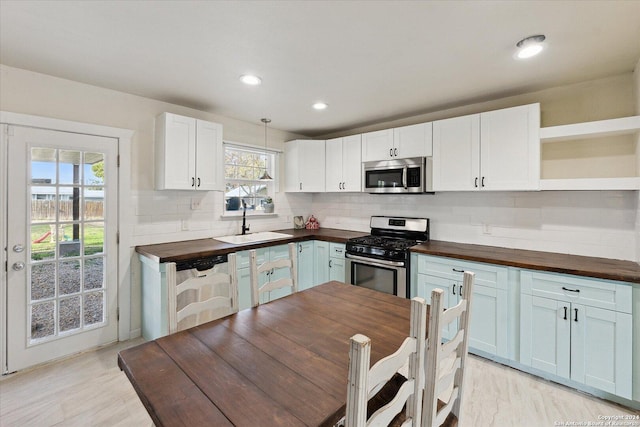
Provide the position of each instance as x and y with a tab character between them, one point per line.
18	248
17	266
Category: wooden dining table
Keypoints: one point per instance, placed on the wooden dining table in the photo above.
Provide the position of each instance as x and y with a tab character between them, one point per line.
284	363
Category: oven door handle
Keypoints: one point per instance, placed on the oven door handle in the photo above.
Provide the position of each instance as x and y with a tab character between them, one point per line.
373	261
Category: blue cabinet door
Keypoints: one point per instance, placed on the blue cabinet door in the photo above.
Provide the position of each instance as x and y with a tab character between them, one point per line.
545	335
321	262
601	348
306	266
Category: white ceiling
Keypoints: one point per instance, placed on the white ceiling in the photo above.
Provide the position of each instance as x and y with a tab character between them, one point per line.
370	60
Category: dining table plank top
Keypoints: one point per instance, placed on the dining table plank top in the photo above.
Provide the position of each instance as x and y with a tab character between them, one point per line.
284	363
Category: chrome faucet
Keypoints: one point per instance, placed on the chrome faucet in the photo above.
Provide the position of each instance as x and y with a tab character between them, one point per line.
245	227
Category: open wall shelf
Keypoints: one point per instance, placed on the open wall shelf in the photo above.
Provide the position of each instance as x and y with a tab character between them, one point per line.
590	131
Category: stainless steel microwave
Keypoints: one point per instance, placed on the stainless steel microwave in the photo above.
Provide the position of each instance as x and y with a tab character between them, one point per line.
413	175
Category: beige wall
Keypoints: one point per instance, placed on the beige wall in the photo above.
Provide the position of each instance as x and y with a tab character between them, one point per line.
27	92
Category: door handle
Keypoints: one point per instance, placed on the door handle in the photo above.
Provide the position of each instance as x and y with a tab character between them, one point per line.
475	184
300	248
457	271
575	319
570	290
18	266
453	289
395	152
193	181
390	152
18	248
404	177
198	182
330	263
460	291
565	313
482	183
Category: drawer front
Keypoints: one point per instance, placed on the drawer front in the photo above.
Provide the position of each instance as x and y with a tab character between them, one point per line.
336	250
451	269
590	292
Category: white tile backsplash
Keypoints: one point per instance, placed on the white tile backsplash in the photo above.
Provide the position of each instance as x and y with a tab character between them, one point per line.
591	223
166	216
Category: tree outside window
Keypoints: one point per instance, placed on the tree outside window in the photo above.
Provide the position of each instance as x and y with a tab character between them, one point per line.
243	167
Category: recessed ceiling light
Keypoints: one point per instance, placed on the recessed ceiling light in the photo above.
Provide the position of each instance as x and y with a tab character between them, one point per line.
320	105
530	46
250	79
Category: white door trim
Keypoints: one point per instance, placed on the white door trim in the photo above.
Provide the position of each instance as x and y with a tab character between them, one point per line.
125	251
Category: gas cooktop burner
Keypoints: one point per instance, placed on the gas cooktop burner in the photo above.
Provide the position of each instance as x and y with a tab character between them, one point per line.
384	242
390	238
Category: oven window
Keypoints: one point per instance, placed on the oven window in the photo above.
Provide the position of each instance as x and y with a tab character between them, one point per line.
377	278
387	178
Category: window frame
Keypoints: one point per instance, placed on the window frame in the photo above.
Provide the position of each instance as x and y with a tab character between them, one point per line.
271	186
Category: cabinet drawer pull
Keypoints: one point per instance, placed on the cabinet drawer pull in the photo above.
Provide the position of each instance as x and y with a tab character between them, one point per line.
457	271
575	319
565	313
570	290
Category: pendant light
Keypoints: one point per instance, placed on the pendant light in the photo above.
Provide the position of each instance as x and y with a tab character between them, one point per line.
265	176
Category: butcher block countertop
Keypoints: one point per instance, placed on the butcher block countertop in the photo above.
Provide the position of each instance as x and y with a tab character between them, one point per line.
601	268
190	249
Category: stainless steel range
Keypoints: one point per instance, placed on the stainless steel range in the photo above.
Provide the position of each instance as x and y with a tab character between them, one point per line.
380	261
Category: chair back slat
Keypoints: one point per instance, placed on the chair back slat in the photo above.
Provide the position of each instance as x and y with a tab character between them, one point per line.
445	363
203	297
382	371
291	281
364	381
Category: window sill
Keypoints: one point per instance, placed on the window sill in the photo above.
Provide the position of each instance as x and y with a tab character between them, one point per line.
252	214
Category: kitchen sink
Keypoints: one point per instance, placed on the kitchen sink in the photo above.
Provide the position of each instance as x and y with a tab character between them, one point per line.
253	237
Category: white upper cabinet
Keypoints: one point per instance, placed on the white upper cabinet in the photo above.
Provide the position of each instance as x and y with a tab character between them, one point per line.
456	153
497	150
188	154
305	166
343	164
402	142
510	148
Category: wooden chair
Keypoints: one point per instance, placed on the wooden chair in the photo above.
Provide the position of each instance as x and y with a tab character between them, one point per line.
270	267
366	384
207	296
445	363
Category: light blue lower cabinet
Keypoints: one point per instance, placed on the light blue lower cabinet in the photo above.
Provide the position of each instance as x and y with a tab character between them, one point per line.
488	324
566	332
329	262
306	265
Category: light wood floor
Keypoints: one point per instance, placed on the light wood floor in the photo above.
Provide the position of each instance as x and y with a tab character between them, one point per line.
90	390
